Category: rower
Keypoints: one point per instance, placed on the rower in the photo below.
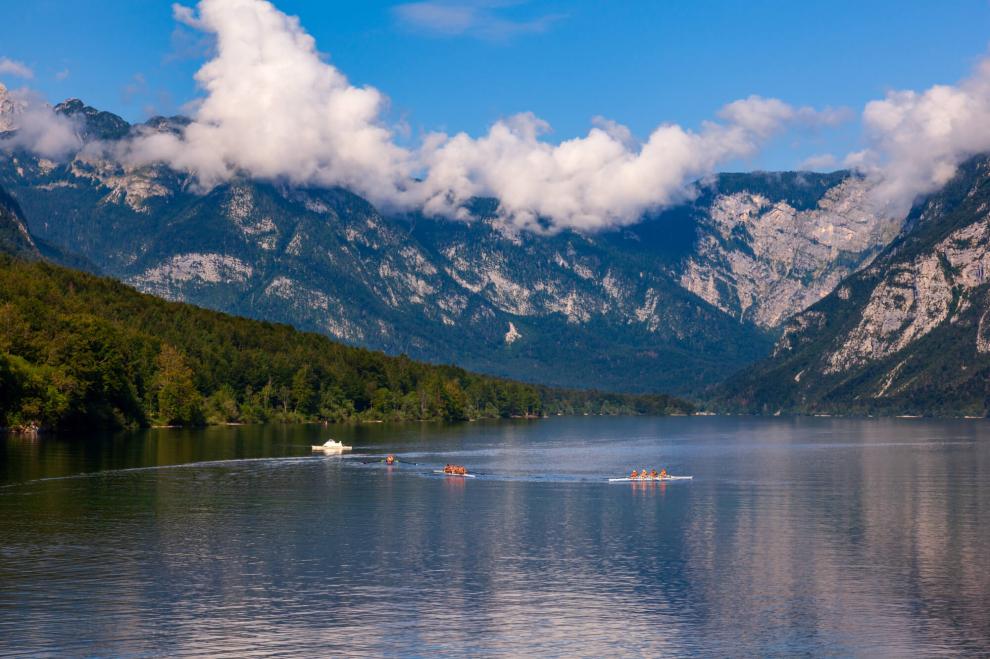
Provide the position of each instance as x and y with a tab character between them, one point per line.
634	474
663	473
390	459
653	473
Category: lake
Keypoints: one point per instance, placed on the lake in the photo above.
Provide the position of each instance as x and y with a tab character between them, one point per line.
796	537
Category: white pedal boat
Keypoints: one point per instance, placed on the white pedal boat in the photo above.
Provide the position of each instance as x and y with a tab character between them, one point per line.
331	446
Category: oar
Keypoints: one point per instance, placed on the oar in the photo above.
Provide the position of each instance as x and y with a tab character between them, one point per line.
397	460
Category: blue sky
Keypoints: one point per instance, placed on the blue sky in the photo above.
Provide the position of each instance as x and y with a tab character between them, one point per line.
638	63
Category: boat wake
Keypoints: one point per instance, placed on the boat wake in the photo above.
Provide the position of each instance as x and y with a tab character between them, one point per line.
288	460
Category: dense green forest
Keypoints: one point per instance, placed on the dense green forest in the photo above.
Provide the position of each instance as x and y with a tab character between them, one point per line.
78	350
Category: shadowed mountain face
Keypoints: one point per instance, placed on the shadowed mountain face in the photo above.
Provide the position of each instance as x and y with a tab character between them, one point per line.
14	236
676	302
908	334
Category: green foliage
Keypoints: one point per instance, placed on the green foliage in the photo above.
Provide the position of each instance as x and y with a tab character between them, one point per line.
304	390
222	406
79	350
179	402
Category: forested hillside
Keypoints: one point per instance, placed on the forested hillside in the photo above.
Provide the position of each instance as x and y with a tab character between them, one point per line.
78	350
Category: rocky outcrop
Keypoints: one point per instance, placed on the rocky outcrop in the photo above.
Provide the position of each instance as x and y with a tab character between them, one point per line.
169	277
10	108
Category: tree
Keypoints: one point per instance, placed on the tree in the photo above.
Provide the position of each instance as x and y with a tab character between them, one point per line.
303	390
334	404
179	402
454	403
383	402
222	406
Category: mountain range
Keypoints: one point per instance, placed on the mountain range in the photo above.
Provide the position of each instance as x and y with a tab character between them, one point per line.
676	302
788	292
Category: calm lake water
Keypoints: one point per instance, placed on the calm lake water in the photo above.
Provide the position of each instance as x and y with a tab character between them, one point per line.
796	537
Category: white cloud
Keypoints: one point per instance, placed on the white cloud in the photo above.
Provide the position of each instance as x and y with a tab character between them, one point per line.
62	75
602	179
15	68
274	109
36	127
484	19
917	140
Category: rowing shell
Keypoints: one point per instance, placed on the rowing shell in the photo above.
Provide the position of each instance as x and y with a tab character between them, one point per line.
649	480
441	471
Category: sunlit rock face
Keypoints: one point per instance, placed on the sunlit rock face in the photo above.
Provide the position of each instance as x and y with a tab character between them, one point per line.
908	333
763	260
916	297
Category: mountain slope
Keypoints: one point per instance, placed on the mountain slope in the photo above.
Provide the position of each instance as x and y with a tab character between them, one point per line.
909	334
763	258
79	350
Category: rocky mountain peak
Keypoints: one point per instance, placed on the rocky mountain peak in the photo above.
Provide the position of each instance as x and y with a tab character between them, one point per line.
96	124
72	106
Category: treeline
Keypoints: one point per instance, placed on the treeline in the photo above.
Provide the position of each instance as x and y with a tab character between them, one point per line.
84	351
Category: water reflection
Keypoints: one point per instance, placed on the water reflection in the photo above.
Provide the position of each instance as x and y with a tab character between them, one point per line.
796	537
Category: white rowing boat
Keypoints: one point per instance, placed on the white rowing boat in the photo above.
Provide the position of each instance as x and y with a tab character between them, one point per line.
445	473
649	480
332	445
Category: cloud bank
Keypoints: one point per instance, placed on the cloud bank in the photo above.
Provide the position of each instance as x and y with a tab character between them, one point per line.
600	180
917	140
273	108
